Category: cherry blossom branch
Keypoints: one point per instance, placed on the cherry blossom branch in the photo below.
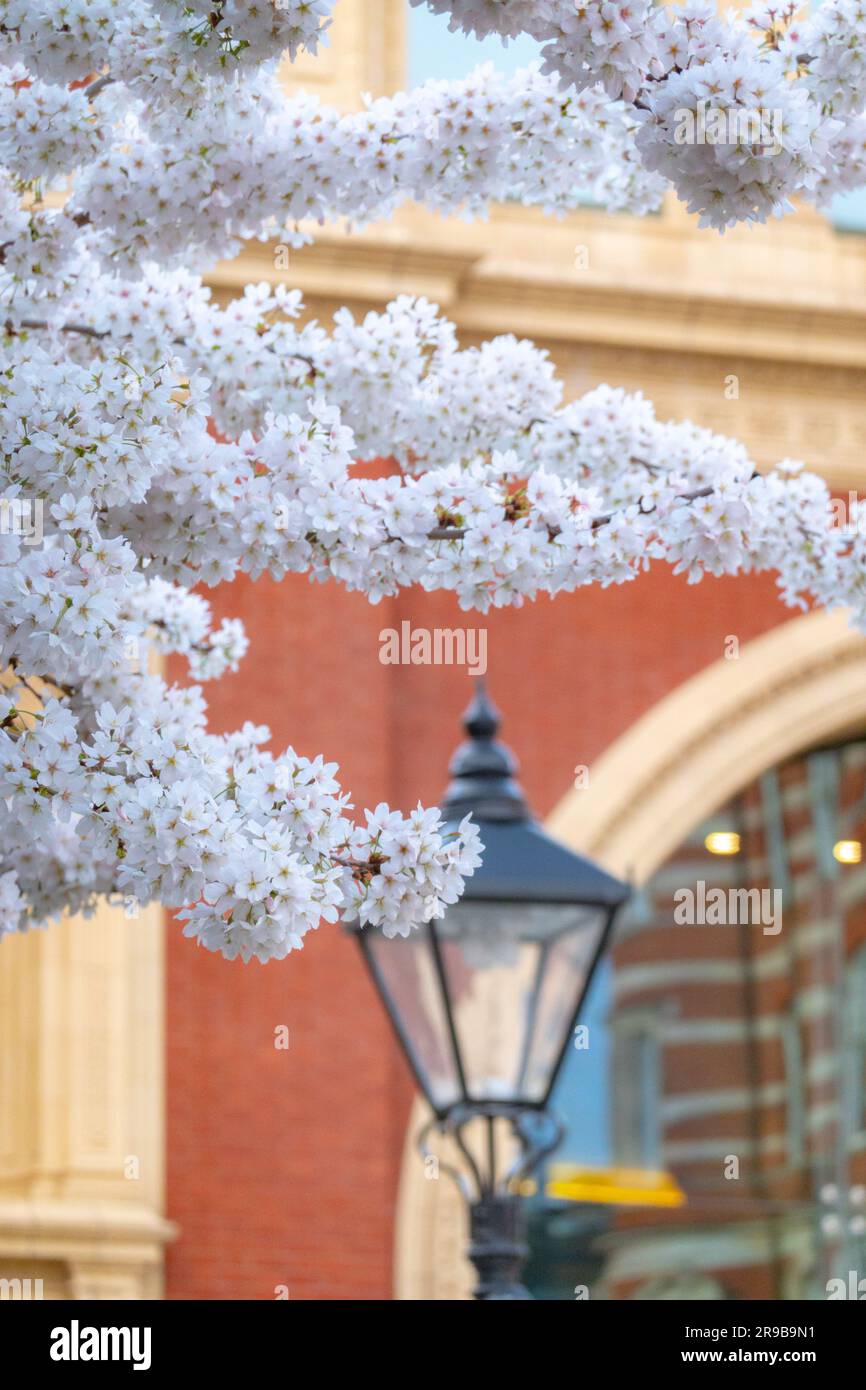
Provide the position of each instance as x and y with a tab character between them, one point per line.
115	783
84	330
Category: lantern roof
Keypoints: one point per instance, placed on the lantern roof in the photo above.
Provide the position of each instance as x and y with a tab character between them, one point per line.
521	862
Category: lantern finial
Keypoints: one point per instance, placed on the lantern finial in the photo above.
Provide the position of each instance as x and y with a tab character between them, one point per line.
483	769
482	719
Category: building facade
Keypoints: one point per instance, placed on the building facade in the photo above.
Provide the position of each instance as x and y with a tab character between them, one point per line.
153	1139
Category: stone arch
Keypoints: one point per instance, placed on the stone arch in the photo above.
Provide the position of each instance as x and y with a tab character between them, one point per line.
800	684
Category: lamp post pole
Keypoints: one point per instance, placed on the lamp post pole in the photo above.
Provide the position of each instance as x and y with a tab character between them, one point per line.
497	1246
491	1183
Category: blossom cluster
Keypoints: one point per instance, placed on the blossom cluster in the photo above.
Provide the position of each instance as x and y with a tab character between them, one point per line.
172	44
762	163
524	494
114	771
253	850
170	443
810	72
835	42
183	142
45	129
248	161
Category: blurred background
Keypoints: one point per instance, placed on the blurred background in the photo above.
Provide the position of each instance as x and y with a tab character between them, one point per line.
156	1141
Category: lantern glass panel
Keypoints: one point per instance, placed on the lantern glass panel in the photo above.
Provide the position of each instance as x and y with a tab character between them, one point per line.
407	975
515	973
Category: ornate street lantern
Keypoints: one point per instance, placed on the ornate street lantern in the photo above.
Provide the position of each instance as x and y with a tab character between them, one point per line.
485	1000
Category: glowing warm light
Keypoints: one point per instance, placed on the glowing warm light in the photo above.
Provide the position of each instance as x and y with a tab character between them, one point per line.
848	851
722	842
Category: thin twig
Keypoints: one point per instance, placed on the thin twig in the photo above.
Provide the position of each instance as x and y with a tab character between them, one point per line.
99	334
99	85
458	533
64	328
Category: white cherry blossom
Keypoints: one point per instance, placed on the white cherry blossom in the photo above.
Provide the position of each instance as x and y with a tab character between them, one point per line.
155	444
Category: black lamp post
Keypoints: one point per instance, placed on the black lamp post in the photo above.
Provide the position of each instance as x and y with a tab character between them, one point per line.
484	1001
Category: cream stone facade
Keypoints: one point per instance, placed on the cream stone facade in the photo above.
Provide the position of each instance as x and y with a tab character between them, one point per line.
759	334
82	1106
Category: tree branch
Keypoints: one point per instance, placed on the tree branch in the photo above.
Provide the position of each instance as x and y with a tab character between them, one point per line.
64	328
99	334
458	533
99	85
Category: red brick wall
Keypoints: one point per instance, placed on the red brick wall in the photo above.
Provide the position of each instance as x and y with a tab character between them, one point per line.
282	1166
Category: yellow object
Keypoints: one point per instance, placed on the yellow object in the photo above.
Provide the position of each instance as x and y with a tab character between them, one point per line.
626	1187
722	842
848	851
